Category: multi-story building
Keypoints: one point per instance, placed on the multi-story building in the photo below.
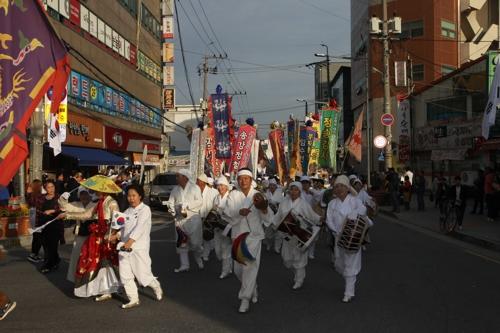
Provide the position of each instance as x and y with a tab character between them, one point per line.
437	37
114	91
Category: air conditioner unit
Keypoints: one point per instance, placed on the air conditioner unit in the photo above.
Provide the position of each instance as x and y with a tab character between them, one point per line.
375	25
395	25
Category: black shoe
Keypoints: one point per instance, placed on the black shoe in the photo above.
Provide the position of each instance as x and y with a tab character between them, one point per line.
45	270
34	258
7	309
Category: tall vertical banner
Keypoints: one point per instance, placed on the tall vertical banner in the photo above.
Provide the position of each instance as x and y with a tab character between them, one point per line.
403	130
242	148
314	153
329	139
307	135
276	140
32	60
219	109
195	152
210	153
355	140
294	147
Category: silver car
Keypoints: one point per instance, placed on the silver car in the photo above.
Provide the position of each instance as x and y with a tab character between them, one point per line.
161	187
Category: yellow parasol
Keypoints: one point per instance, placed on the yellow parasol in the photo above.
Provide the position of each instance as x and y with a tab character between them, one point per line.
100	183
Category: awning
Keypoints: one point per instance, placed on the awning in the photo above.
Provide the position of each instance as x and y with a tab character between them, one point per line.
93	157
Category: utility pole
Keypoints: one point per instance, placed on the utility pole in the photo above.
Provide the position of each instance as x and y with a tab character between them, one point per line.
205	70
36	145
389	27
387	88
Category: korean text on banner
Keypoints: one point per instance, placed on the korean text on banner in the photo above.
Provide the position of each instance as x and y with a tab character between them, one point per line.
210	153
219	109
242	148
403	130
329	138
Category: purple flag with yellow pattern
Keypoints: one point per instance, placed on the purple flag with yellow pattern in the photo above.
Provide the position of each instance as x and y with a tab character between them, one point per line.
32	61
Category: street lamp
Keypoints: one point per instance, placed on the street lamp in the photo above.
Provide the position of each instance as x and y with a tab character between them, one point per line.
304	101
327	56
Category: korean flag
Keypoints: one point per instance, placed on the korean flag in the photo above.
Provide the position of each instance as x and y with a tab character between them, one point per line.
119	220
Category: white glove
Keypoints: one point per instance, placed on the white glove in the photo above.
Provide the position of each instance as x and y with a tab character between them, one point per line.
352	216
65	195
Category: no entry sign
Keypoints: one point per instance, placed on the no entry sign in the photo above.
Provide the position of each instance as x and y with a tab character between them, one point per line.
387	119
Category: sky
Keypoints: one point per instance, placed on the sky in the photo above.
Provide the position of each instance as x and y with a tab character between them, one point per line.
263	32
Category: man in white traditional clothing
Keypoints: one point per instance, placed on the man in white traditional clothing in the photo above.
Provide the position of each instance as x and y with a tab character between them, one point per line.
345	206
222	239
185	203
294	257
208	194
308	195
133	255
274	196
248	212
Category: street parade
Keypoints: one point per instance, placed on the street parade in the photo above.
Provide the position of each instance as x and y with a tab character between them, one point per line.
127	204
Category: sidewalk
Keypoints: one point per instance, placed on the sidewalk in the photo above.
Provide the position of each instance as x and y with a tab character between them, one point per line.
476	229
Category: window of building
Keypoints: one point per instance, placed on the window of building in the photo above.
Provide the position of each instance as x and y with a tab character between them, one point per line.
448	29
449	108
130	5
445	69
418	72
151	23
412	29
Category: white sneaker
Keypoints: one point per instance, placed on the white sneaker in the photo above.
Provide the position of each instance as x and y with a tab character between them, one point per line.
181	269
103	298
255	297
131	304
205	258
347	299
158	293
224	275
199	261
311	256
297	285
244	306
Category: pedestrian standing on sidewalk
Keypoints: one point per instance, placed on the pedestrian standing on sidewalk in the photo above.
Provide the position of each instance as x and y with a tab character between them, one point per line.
458	195
134	258
406	189
393	184
51	234
442	200
419	185
478	193
489	193
34	198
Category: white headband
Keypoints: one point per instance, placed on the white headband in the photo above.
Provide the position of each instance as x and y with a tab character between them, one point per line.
245	173
297	185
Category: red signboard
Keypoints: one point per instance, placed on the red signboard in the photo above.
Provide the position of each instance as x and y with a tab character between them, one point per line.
133	54
387	119
74	17
122	140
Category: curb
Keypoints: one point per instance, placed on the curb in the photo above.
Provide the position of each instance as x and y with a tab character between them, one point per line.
482	242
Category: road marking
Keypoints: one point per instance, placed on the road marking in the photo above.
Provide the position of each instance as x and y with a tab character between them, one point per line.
482	256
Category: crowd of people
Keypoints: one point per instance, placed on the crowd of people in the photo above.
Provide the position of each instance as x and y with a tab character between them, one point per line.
233	218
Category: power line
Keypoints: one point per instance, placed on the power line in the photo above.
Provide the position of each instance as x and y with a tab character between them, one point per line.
323	10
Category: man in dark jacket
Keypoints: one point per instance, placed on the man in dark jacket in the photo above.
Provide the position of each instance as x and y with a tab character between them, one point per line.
457	194
73	183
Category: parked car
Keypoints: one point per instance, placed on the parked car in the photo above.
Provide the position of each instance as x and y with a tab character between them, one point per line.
161	187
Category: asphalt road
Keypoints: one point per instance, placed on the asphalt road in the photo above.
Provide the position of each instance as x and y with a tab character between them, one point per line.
411	281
